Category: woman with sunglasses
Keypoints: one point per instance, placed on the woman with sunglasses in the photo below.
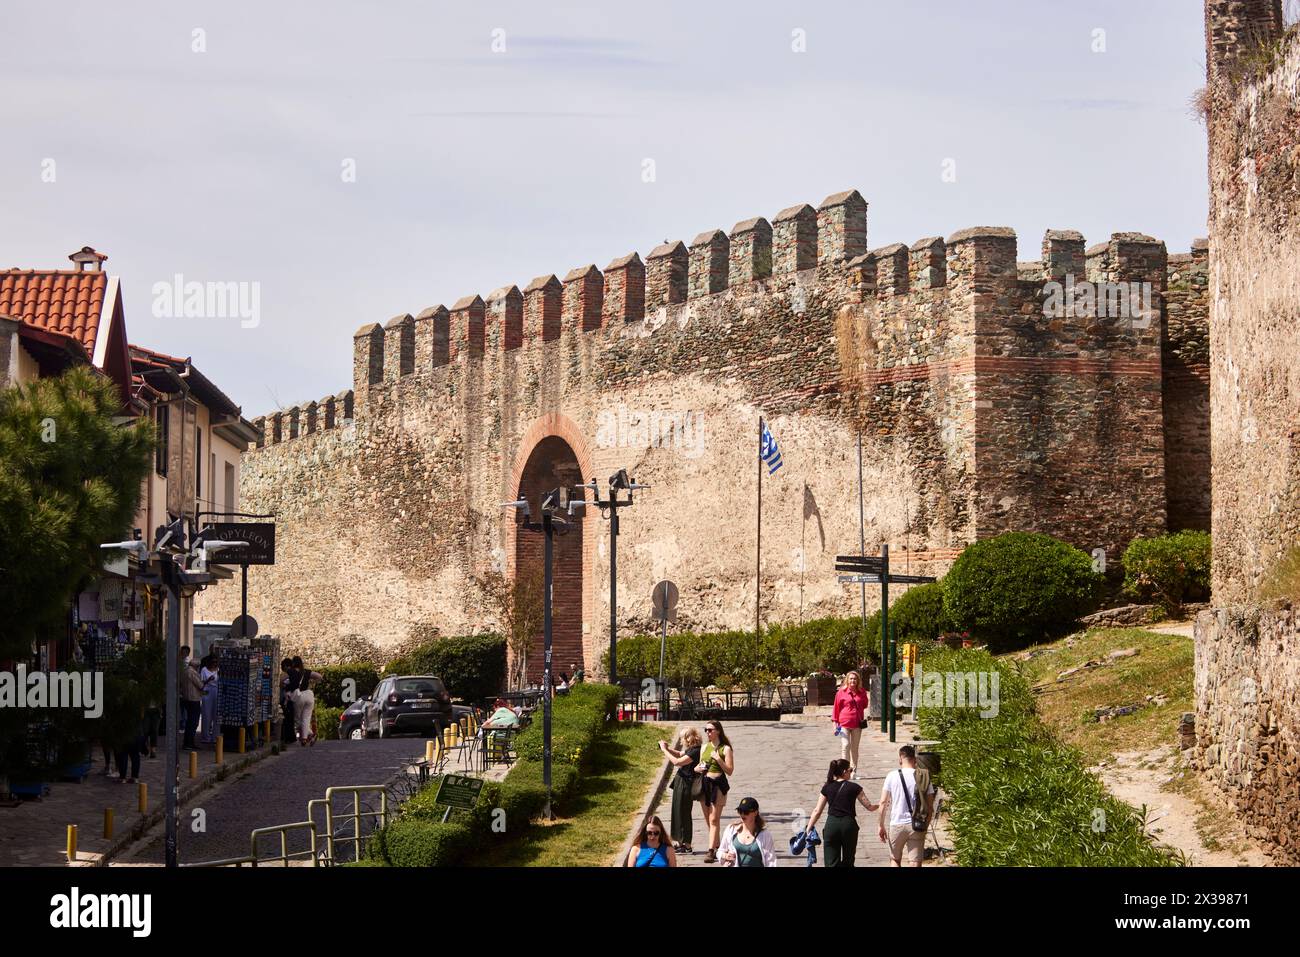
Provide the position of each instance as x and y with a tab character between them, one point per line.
748	842
651	848
717	760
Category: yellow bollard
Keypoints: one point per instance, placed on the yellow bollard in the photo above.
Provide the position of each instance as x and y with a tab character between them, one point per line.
194	764
449	736
221	750
266	731
108	823
144	797
242	737
428	751
72	843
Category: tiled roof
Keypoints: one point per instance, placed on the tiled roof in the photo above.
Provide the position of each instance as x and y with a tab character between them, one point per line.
64	301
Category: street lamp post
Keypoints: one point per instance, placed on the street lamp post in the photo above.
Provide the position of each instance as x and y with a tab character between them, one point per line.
556	505
618	482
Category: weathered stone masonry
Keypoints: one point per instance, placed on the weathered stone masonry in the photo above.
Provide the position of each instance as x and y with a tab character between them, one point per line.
1247	650
979	414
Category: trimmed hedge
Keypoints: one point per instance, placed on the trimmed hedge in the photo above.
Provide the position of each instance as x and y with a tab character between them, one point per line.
702	658
332	687
1018	797
419	838
1168	569
473	667
1012	590
919	614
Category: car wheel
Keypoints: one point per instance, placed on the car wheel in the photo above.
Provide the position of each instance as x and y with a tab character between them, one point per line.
357	734
382	735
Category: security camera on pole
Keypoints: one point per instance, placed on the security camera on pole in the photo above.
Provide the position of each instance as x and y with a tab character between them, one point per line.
176	563
558	507
618	482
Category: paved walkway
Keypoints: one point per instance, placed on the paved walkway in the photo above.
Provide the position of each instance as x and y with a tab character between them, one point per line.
34	833
277	793
783	766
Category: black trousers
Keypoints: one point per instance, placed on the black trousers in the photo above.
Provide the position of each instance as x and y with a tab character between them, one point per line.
131	751
287	729
191	711
840	841
682	827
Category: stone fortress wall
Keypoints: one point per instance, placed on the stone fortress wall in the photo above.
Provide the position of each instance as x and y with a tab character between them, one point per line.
1247	646
979	413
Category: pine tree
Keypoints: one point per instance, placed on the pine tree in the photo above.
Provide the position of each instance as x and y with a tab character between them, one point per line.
70	479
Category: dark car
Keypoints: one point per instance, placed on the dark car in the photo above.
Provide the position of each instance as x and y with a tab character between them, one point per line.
351	721
407	703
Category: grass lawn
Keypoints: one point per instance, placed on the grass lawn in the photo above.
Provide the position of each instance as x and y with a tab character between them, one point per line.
598	817
1162	666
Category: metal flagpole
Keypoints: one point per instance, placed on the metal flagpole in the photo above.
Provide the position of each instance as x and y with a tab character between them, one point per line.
758	552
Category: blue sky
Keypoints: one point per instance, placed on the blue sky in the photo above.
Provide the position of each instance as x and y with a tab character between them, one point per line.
477	169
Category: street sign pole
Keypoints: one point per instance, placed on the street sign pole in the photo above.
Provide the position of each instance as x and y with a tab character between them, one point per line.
243	589
549	529
171	755
884	636
613	586
893	667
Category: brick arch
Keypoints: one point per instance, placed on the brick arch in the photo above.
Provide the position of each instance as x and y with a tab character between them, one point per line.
550	435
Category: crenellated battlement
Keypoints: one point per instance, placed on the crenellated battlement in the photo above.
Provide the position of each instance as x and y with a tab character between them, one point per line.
721	272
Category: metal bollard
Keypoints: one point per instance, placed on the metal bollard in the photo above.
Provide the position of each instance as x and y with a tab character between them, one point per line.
242	739
221	750
194	764
72	843
143	790
108	823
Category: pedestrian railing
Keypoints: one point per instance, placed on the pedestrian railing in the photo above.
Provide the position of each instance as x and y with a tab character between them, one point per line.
357	838
285	856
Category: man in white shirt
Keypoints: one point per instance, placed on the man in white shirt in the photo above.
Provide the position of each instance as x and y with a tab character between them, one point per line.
896	810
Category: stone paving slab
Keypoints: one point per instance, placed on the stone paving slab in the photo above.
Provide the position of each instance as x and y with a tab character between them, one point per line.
783	765
35	832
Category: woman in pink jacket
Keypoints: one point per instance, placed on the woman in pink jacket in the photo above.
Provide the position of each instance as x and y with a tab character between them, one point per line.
850	714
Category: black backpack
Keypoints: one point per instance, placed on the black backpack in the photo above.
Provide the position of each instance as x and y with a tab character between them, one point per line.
920	819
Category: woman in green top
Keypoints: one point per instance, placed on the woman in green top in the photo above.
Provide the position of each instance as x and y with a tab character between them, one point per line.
717	760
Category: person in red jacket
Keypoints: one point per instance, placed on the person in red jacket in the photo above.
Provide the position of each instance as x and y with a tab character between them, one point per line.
850	715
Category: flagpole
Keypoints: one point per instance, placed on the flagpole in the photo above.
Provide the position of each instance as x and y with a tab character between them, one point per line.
758	551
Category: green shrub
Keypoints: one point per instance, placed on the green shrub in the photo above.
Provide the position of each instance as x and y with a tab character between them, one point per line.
1011	590
577	718
473	667
1017	797
918	615
1168	569
701	658
334	690
327	721
414	842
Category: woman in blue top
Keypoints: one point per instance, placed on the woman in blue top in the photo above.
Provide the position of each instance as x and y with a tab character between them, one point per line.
651	848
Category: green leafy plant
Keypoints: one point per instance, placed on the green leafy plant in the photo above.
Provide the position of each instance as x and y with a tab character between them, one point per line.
1168	569
333	688
1011	590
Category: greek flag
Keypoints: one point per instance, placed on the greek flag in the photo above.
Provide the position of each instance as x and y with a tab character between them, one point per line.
768	451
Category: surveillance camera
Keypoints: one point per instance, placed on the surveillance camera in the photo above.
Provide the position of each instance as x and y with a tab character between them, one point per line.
521	506
637	486
576	504
136	547
619	480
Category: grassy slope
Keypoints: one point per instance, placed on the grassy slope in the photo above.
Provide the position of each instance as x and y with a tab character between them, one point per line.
1162	666
599	815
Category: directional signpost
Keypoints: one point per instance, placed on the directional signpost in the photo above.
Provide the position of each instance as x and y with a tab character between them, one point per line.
874	570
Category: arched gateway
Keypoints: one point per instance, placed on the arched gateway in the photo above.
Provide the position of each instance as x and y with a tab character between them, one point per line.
553	454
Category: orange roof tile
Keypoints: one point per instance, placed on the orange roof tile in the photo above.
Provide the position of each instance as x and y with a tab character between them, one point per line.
64	301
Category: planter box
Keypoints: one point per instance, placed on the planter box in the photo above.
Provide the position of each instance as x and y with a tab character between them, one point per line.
821	690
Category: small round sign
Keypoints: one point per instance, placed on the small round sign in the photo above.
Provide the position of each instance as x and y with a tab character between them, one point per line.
664	597
245	626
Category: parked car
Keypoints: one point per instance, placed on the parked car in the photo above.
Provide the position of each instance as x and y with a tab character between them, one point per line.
351	721
407	703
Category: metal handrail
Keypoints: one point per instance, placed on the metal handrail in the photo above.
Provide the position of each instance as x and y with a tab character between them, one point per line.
355	817
284	855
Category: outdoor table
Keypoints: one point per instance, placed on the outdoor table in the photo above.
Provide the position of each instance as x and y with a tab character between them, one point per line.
727	696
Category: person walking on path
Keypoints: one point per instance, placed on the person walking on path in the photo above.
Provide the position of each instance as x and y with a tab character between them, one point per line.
208	677
304	701
837	798
288	729
850	714
191	696
717	760
683	785
748	842
651	848
901	796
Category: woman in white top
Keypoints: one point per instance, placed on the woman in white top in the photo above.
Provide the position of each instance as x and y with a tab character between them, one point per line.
747	842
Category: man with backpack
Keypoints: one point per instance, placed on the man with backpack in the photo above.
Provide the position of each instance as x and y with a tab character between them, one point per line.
906	807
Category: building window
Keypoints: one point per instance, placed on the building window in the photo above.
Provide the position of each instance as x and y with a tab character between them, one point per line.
162	419
230	488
